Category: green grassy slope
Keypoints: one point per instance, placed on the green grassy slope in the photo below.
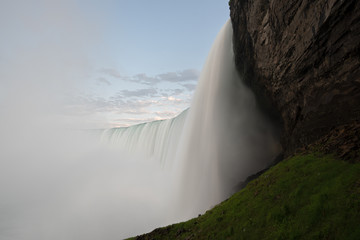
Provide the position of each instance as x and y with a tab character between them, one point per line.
305	197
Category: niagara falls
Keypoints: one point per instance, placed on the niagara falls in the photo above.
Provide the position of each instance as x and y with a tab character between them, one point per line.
59	182
179	120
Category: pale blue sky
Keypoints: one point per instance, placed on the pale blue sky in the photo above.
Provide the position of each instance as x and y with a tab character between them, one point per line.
117	62
158	36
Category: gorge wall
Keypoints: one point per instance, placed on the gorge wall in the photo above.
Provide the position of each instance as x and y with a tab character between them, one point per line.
302	59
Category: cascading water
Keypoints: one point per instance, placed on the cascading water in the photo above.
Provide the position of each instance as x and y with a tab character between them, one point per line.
158	139
57	184
220	141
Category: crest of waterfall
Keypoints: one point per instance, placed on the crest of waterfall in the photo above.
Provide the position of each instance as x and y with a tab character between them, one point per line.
156	140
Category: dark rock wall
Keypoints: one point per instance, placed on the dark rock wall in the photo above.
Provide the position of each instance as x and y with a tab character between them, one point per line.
302	59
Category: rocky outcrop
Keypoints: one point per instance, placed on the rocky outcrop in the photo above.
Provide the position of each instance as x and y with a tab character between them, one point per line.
302	59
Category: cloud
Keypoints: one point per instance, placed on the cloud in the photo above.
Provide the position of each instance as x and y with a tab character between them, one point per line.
146	92
103	81
137	111
181	76
142	78
89	104
190	74
177	91
173	100
189	86
166	114
122	106
86	105
147	103
148	109
111	72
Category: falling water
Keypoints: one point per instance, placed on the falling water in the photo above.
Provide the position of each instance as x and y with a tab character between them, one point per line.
157	139
57	184
220	141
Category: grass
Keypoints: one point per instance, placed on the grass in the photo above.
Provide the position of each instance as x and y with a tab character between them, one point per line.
309	196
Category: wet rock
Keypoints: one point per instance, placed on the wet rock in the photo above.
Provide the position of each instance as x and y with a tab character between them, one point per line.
302	59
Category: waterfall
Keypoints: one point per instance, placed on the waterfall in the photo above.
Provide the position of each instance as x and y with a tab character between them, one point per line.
157	139
58	184
216	143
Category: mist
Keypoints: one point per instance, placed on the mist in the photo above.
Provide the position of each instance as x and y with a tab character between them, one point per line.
213	146
59	180
67	187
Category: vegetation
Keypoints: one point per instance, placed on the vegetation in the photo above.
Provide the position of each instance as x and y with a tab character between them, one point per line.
309	196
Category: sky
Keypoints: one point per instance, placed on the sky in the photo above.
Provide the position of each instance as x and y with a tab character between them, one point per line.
104	63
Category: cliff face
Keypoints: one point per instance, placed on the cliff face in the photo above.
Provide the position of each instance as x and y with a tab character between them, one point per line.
302	59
